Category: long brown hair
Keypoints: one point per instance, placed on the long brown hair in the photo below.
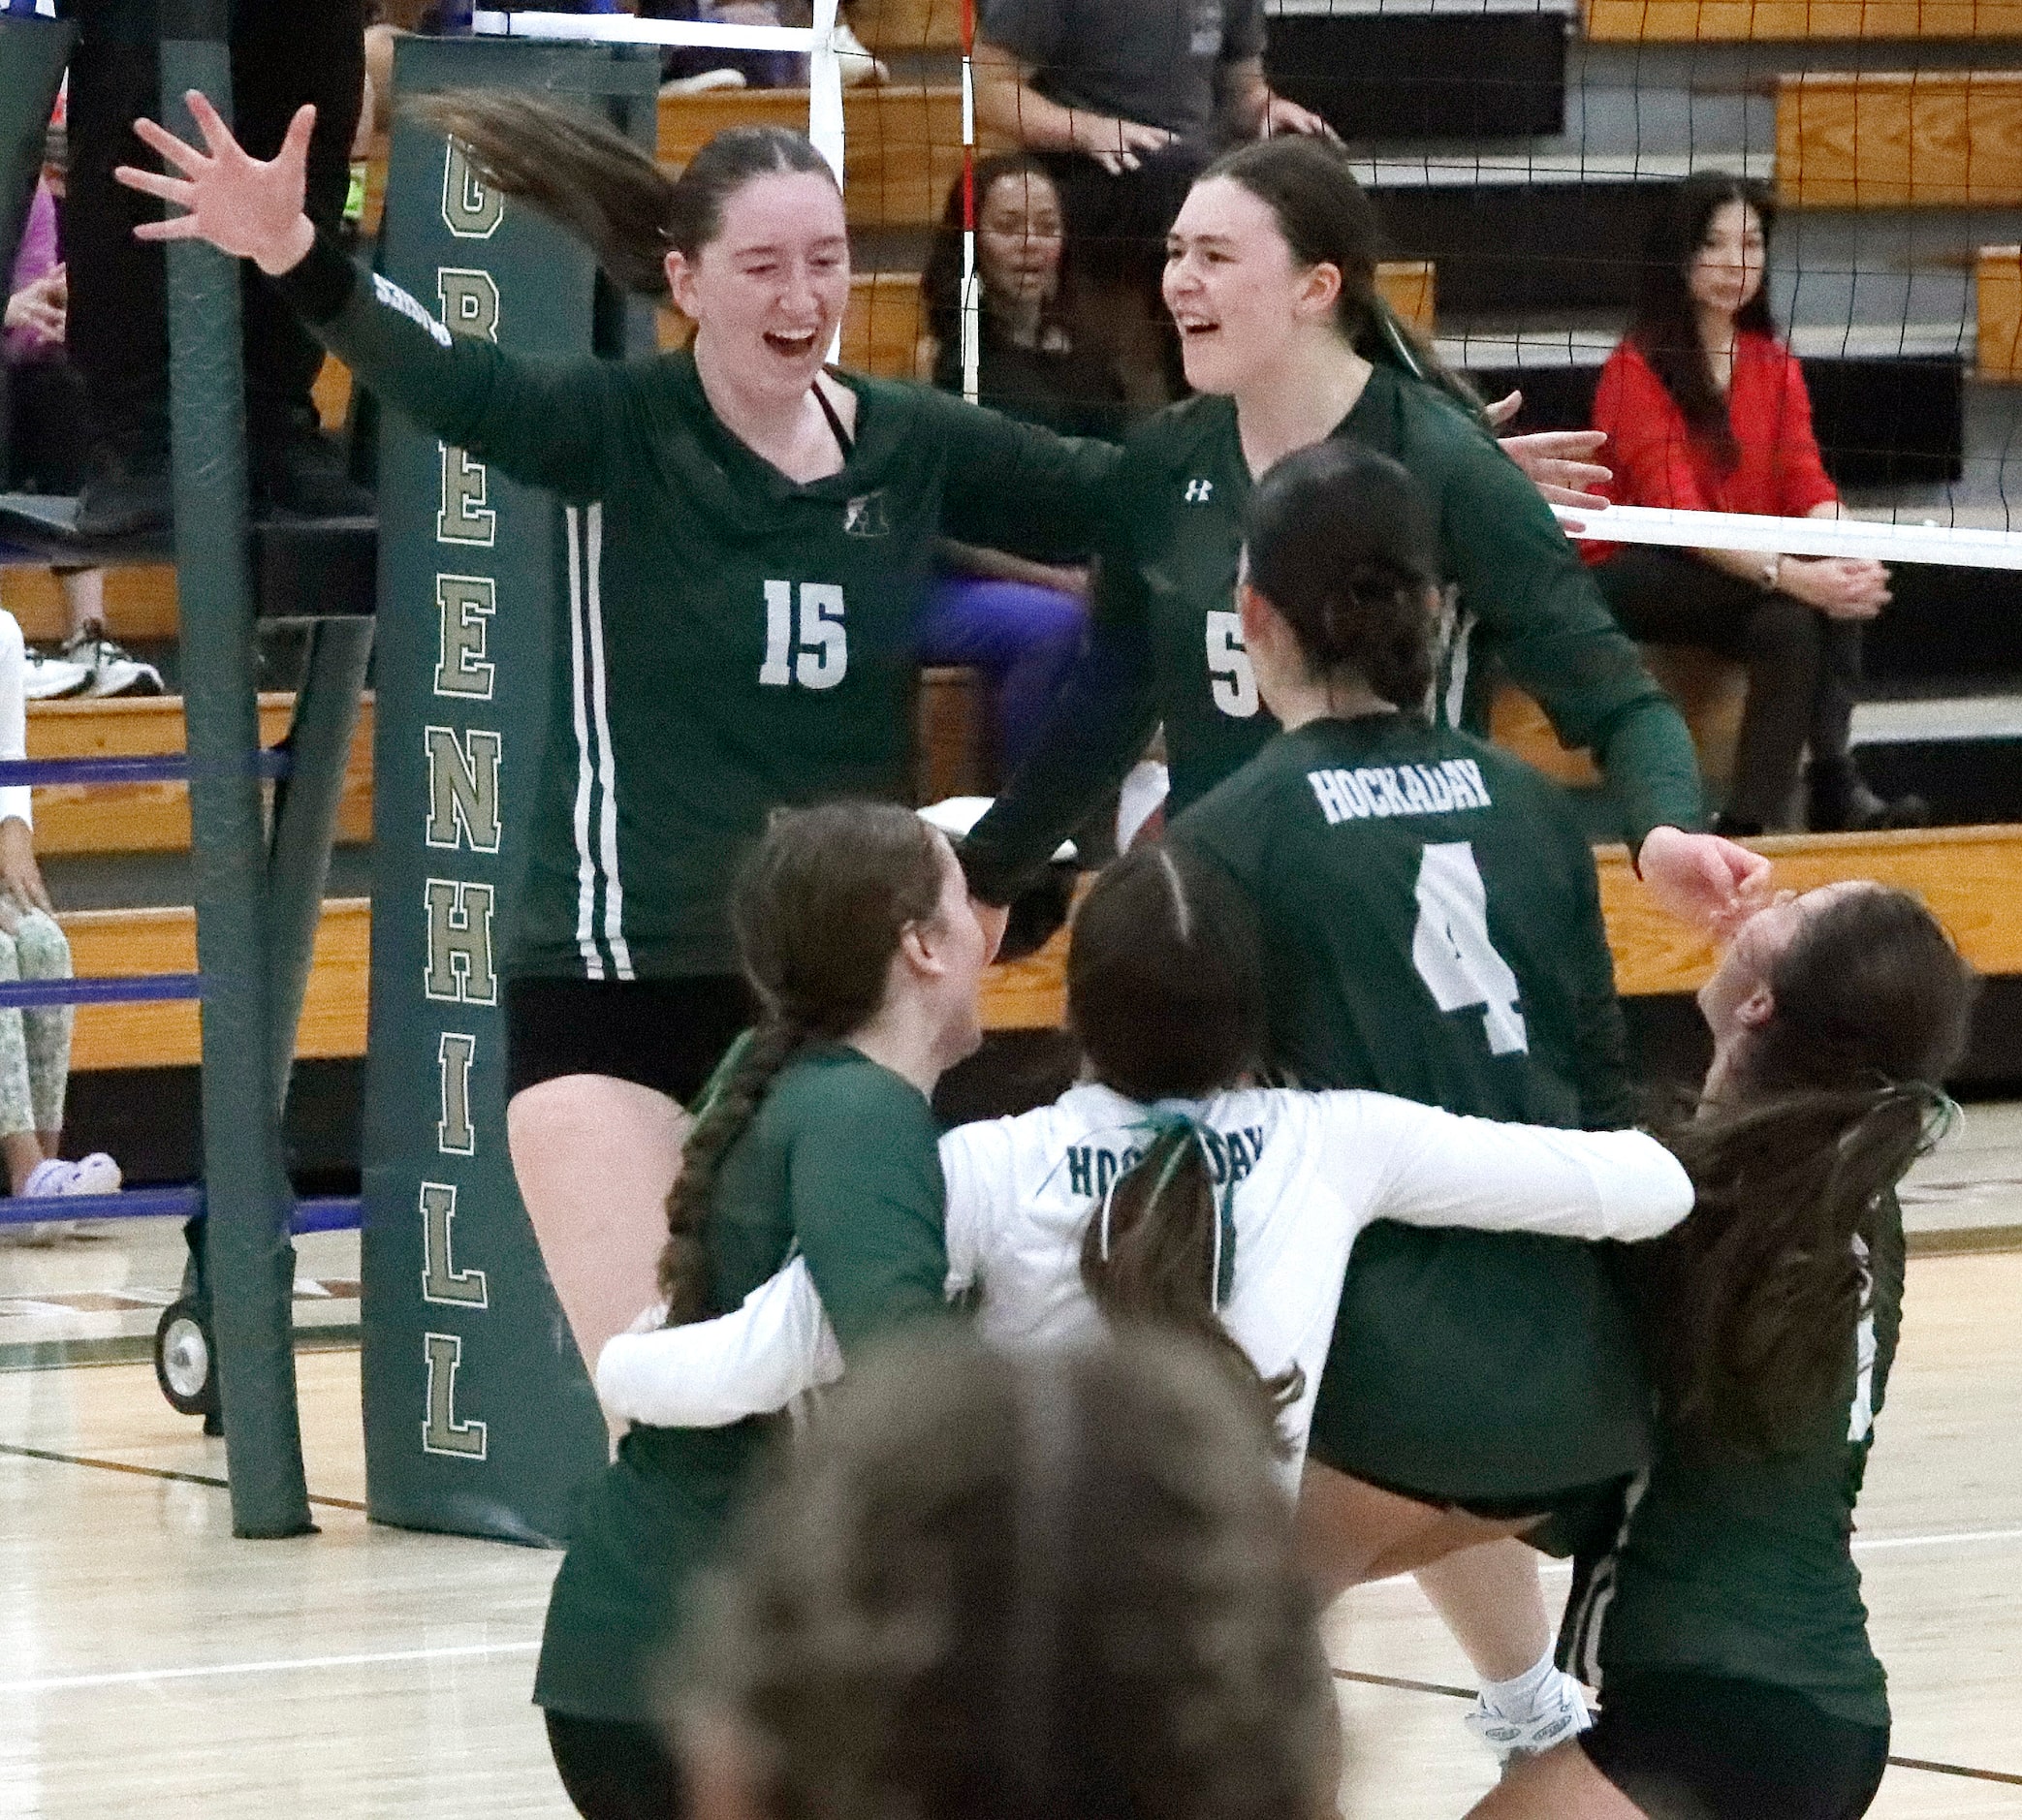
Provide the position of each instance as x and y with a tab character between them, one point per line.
1663	322
1750	1304
995	1587
819	909
596	184
1165	994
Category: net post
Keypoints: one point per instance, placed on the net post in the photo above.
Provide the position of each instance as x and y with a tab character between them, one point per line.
971	296
250	1260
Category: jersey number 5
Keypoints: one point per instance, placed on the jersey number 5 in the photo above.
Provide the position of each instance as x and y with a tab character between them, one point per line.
1451	950
823	654
1231	680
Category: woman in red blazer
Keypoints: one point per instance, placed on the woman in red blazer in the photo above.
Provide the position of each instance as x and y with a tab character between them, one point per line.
1705	410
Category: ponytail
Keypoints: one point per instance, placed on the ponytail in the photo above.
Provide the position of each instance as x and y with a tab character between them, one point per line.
1750	1302
594	183
1160	1251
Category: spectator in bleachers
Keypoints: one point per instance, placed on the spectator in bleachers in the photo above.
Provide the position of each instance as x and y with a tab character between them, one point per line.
35	1041
1705	410
283	53
1019	622
45	451
1126	101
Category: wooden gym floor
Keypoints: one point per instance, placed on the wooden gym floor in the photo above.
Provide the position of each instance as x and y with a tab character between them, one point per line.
148	1661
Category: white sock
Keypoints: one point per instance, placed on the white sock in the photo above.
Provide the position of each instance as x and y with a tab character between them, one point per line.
1521	1696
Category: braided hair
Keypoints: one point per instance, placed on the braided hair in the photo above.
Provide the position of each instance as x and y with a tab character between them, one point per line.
818	910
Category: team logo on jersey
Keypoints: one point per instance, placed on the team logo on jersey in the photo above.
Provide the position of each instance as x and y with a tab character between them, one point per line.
864	516
1199	493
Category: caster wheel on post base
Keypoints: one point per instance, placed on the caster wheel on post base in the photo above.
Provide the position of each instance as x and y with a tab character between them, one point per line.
185	1363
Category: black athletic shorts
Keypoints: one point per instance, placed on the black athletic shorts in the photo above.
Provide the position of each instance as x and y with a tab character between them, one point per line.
611	1771
665	1034
1690	1746
1559	1522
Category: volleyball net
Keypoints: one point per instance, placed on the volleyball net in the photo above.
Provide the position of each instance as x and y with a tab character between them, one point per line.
1516	151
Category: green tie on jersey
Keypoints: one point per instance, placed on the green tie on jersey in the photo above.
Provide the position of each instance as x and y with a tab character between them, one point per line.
1431	929
868	1219
735	640
1165	644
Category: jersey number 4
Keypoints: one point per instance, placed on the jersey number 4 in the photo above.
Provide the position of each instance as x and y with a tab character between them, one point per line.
1451	950
823	656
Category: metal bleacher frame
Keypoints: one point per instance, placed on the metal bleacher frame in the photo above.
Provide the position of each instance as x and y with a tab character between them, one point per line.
258	890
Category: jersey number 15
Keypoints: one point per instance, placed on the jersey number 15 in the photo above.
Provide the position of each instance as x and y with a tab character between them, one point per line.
822	657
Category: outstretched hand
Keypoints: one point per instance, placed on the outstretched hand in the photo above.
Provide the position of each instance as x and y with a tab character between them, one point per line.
241	204
1704	880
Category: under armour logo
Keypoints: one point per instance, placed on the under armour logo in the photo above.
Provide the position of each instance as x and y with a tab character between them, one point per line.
1199	493
864	516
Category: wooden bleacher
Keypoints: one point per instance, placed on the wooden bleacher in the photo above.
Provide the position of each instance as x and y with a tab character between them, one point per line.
1710	692
1787	22
1971	877
1926	139
139	602
155	818
1997	290
894	27
165	941
901	143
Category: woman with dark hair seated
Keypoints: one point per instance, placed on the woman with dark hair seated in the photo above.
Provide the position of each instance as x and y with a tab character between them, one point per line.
1019	622
1705	410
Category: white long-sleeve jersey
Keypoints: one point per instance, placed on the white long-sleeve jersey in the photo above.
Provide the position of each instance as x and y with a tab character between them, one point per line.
1311	1170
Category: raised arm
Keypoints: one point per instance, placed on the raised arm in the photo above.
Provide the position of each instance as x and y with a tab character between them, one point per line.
541	421
1440	1169
710	1374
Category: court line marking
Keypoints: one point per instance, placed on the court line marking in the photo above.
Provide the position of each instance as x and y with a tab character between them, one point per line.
122	1678
1468	1693
154	1472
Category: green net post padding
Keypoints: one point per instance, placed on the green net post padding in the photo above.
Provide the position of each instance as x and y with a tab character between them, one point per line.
480	1418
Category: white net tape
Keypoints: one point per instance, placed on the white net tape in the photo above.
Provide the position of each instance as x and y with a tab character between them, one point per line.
1959	547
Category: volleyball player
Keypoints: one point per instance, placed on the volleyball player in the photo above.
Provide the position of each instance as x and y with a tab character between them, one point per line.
1270	275
1725	1626
1432	928
750	542
860	944
1164	1189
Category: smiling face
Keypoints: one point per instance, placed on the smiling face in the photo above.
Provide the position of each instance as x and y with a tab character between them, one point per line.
1018	240
958	948
1235	290
1726	272
767	293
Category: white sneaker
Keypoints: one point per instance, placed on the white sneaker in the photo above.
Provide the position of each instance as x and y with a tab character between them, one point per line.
1559	1713
706	83
110	668
46	679
860	69
55	1180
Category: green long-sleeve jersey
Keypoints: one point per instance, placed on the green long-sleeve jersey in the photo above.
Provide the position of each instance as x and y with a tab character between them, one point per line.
1164	642
868	1218
731	641
1431	929
1742	1567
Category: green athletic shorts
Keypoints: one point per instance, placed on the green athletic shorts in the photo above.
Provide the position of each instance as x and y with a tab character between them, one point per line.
1478	1368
